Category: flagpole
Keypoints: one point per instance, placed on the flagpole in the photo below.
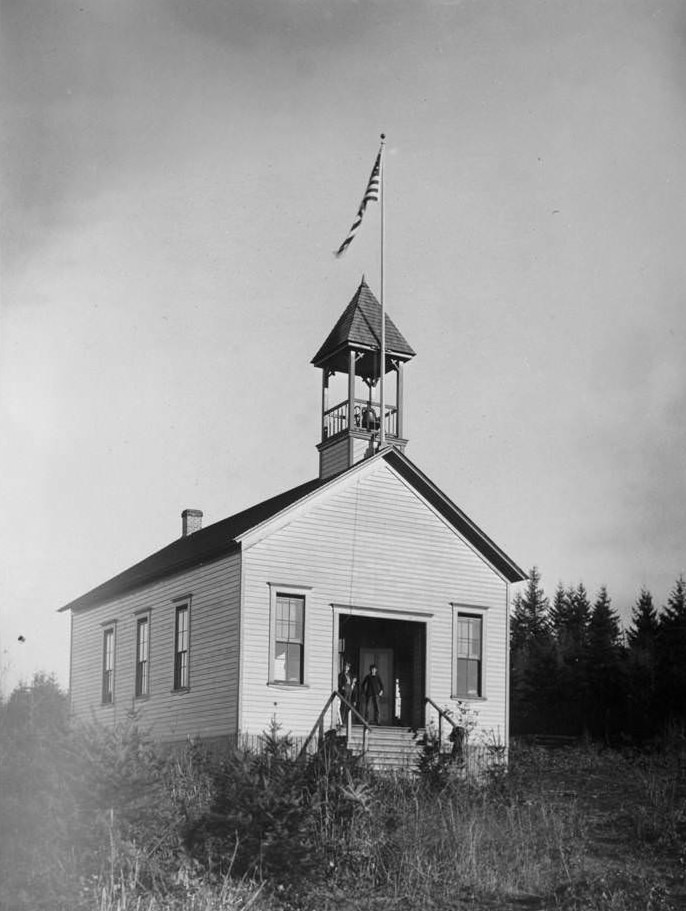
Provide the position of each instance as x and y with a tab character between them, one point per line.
382	359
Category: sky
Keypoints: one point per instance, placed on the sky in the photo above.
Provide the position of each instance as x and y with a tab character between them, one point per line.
175	178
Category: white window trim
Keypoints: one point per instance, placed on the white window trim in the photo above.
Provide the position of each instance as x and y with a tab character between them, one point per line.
185	601
139	615
298	591
470	610
106	626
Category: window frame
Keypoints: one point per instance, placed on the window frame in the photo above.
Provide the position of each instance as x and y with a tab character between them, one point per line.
300	593
140	693
108	662
474	612
181	681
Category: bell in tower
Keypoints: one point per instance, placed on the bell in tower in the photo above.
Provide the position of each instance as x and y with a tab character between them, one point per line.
351	403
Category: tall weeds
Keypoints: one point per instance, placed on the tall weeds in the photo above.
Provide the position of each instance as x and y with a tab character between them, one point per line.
97	818
430	846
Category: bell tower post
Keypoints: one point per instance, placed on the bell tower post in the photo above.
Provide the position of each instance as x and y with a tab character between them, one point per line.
349	359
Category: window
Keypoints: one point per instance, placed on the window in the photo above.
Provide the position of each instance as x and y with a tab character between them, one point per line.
289	638
468	651
108	666
182	647
142	656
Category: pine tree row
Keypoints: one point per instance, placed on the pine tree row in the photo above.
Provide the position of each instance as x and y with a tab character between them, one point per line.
575	672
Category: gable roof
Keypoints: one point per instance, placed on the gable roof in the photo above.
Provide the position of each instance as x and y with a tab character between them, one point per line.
455	516
221	538
360	327
203	546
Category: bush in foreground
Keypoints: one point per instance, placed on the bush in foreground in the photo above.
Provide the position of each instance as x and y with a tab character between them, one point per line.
93	818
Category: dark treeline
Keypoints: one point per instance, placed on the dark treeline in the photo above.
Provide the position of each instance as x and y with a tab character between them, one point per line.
574	671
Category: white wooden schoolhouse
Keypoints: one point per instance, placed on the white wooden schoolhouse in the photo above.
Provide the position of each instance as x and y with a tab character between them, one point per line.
251	618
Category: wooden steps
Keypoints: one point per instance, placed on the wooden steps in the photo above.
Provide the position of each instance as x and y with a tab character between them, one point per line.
388	748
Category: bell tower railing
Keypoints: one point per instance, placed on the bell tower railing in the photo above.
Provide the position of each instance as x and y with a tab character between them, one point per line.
365	418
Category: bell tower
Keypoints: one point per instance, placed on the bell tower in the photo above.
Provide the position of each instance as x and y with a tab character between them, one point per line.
351	408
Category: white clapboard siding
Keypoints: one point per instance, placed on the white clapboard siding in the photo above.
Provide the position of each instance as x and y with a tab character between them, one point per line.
335	458
370	543
209	708
360	449
342	454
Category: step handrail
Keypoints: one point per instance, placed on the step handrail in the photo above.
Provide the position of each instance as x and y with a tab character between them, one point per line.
366	727
441	715
319	723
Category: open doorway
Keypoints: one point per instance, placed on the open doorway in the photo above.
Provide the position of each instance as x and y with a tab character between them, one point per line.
398	648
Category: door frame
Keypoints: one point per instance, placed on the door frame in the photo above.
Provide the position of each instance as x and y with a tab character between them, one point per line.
352	610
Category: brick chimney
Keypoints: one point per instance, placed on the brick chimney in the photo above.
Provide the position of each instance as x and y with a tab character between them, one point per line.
191	521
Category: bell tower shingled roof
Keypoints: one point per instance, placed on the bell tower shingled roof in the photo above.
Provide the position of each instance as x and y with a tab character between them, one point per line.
353	414
360	327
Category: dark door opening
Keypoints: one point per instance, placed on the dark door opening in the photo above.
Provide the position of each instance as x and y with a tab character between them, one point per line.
382	658
398	648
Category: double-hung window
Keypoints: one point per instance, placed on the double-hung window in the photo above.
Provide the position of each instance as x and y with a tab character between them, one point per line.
107	682
143	656
182	646
287	640
468	652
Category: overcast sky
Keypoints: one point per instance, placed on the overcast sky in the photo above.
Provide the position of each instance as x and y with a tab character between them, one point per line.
175	178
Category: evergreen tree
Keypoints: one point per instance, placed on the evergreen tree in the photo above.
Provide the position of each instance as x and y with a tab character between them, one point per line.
674	612
605	668
36	809
644	623
36	709
532	659
530	613
644	713
570	617
560	610
604	630
671	655
579	618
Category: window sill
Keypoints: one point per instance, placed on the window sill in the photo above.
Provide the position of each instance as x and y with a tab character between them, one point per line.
289	686
180	690
458	698
142	698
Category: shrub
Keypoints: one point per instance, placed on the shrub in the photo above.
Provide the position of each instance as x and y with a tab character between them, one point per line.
259	819
101	817
38	812
131	804
85	809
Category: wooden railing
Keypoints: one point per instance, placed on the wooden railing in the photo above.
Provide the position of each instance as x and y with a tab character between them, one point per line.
365	418
335	420
318	728
441	715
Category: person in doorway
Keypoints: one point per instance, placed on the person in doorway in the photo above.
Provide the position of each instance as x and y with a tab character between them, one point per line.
372	690
347	684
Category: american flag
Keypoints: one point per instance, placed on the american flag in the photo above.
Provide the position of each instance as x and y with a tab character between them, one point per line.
371	194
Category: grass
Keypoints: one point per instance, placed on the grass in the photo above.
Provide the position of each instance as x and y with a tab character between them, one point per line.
578	829
101	820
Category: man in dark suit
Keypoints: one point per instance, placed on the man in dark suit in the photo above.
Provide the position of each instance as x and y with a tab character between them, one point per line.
372	690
